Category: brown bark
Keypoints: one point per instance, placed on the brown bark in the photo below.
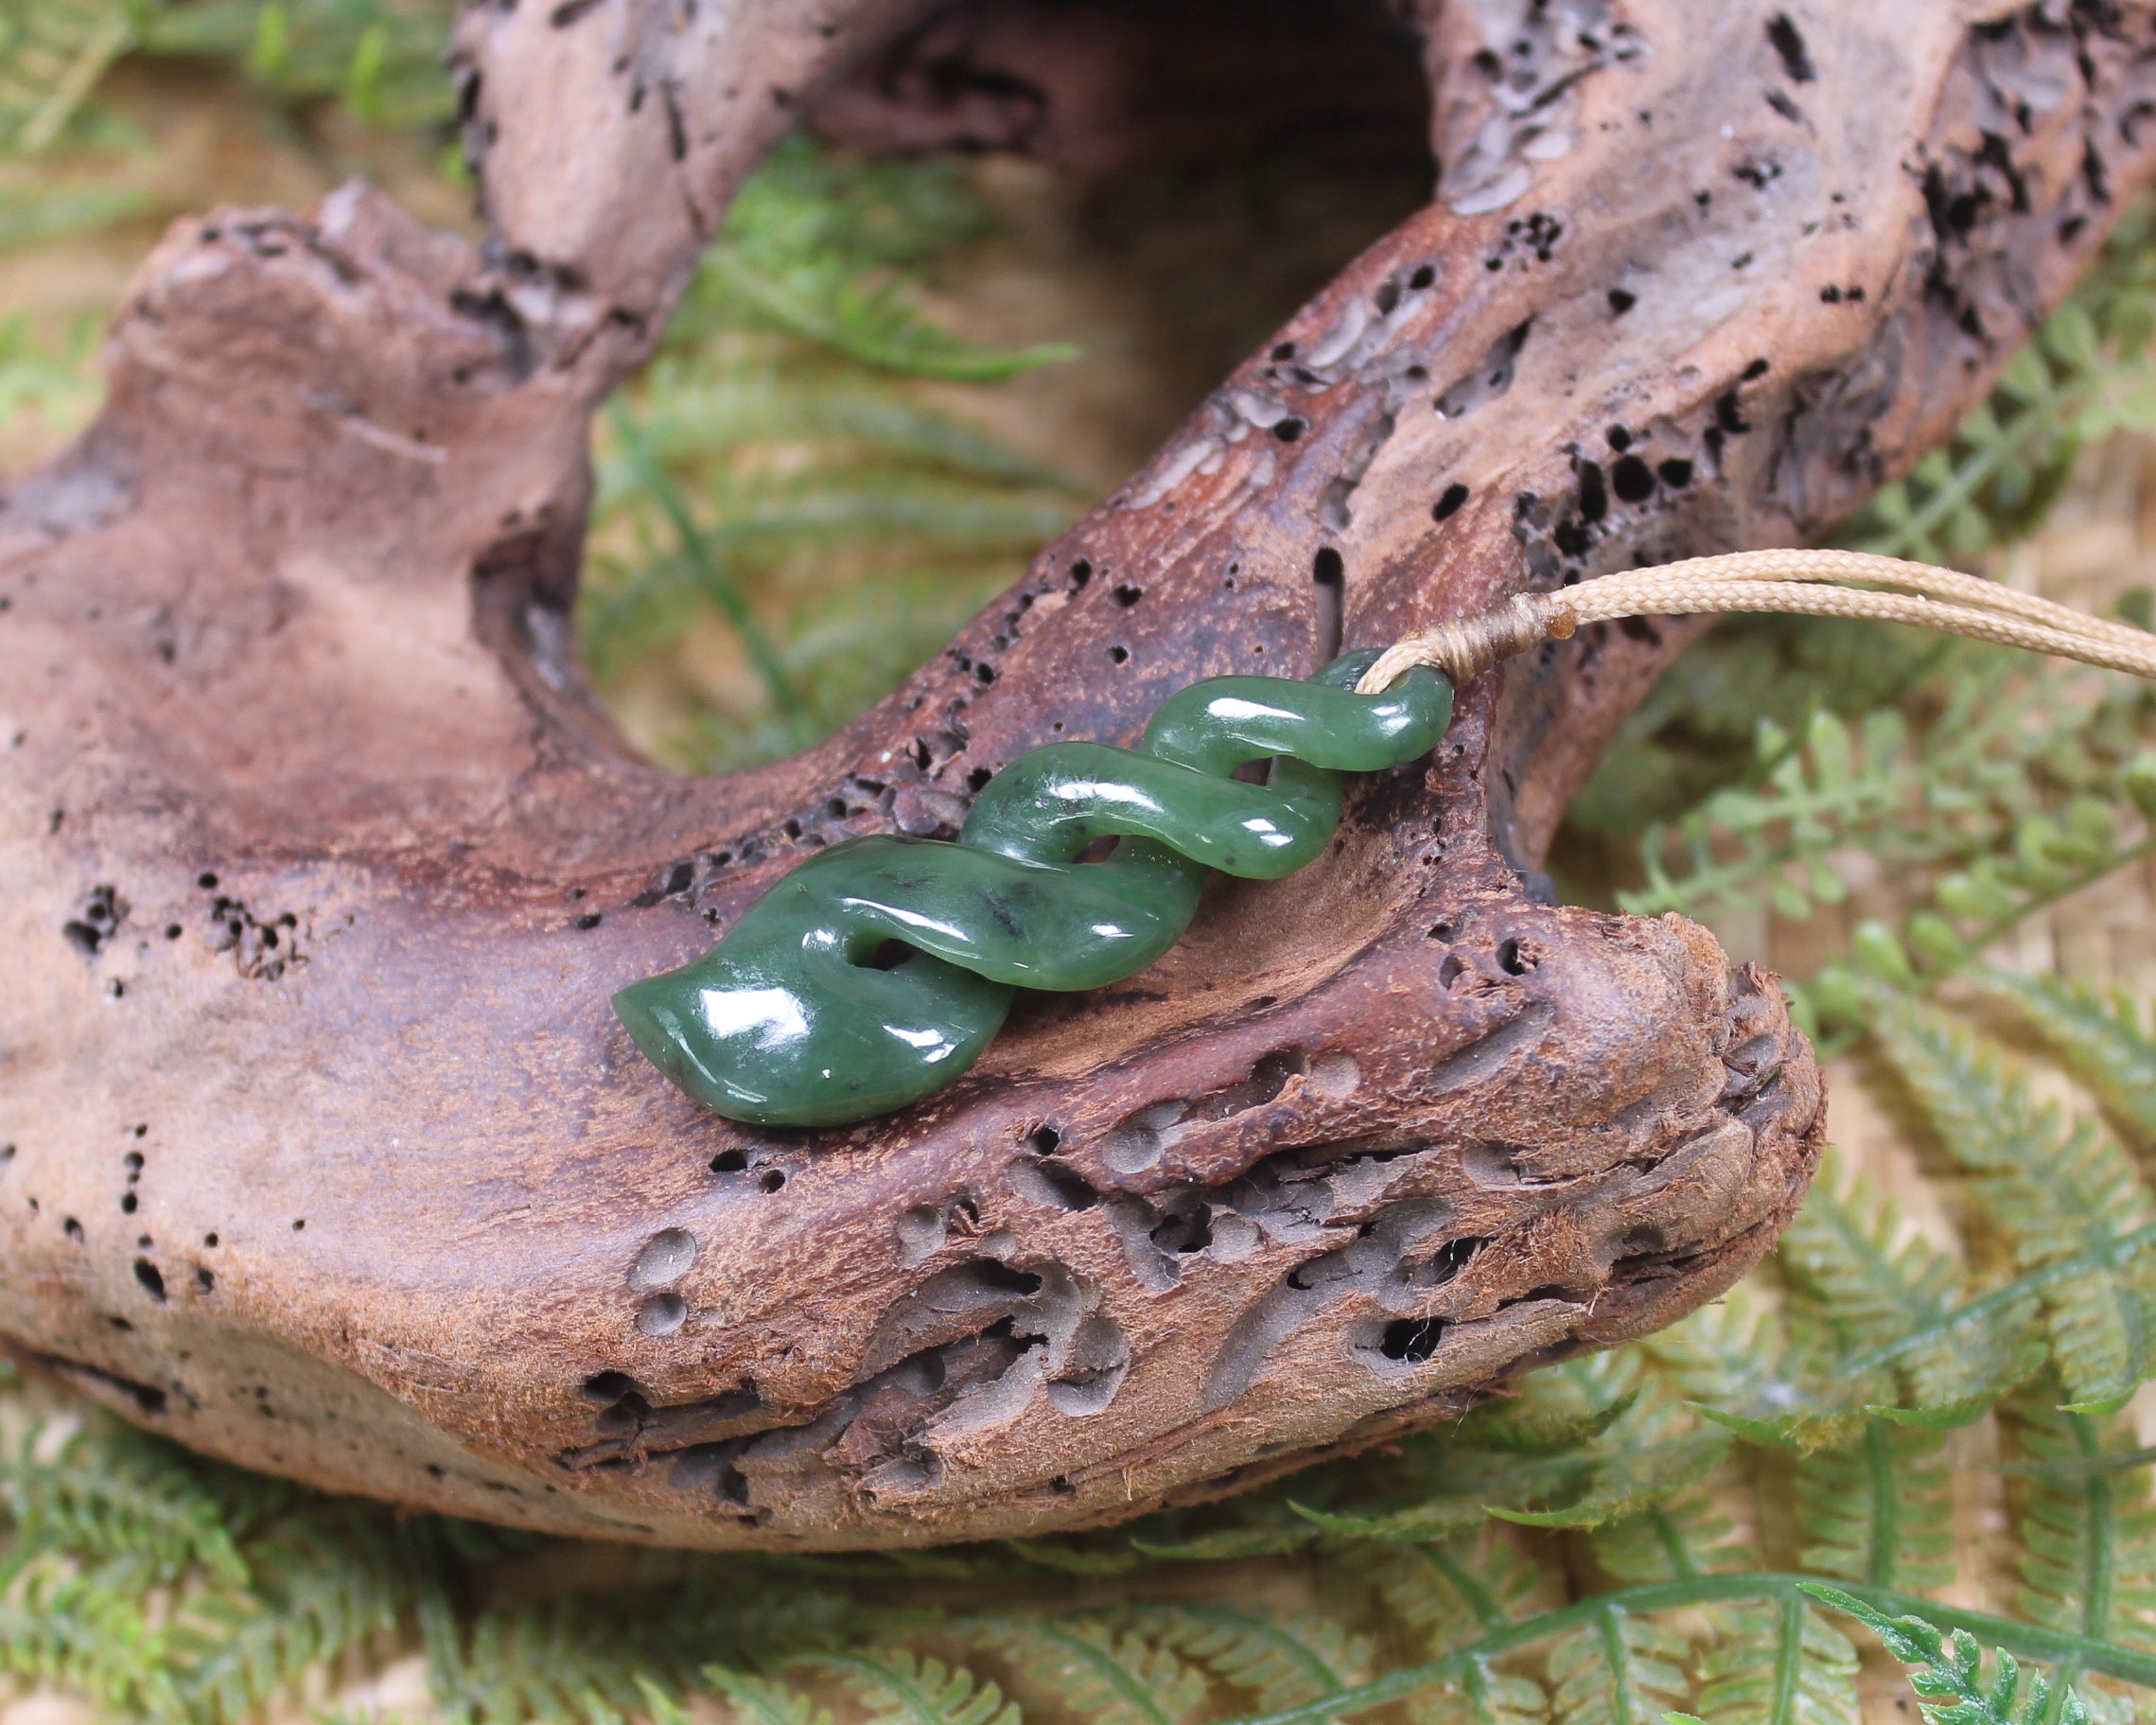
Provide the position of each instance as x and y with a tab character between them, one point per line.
318	865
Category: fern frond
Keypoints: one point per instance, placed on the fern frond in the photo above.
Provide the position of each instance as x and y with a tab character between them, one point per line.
752	1700
874	324
1735	1353
1631	1486
1655	1452
327	1580
1776	1665
772	479
579	1659
824	253
1753	845
762	400
383	58
703	560
115	1494
1687	1535
89	1630
1947	1672
1481	1696
380	60
844	653
899	1687
1099	1673
1617	1668
2107	1041
1983	775
1879	1511
51	57
1849	1256
1288	1529
1078	1555
1578	1444
2058	1190
2046	860
2086	1525
810	203
631	610
818	505
1698	731
1451	1592
1282	1661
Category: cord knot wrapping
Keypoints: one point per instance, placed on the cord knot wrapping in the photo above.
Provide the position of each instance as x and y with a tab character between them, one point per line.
1464	647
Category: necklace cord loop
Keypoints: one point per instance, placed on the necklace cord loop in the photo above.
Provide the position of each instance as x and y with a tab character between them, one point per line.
1804	583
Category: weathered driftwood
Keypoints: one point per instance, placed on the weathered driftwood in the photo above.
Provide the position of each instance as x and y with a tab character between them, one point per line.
318	865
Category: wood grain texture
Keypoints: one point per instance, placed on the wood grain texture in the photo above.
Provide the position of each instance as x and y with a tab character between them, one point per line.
318	865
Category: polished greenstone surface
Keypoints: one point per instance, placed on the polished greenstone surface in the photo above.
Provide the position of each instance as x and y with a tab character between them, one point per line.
878	969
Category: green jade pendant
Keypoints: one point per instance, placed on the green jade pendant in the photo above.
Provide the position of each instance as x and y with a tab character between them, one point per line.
875	972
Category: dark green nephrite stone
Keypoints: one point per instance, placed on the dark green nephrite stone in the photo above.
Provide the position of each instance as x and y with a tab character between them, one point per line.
878	969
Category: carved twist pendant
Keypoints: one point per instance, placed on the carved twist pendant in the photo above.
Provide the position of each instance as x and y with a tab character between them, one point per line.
877	972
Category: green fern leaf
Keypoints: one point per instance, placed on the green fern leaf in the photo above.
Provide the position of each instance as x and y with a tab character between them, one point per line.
757	400
1879	1511
1078	1555
1616	1669
1694	734
2107	1041
776	469
2087	371
1725	712
899	1687
1101	1674
1685	1536
109	1492
754	1701
1581	1443
2045	862
1948	1675
51	58
1627	1479
1284	1662
1777	1665
1734	1353
1449	1594
876	325
2086	1525
1980	772
1631	1443
822	253
631	611
1289	1529
327	1580
91	1631
1885	1317
704	564
833	505
2058	1191
581	1659
1482	1695
380	60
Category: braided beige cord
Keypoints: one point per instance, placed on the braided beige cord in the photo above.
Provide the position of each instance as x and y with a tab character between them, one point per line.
1802	582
